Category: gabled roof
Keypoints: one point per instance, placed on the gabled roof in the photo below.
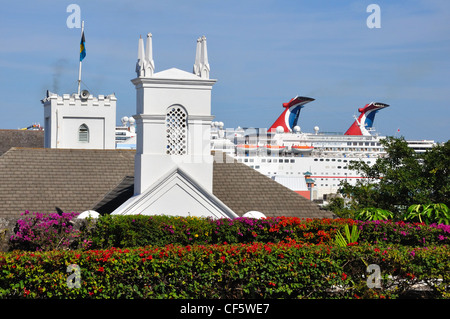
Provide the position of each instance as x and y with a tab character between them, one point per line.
78	180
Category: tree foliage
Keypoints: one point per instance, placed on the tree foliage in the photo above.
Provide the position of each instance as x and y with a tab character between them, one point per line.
401	178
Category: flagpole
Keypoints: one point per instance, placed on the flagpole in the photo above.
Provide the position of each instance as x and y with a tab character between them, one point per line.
79	70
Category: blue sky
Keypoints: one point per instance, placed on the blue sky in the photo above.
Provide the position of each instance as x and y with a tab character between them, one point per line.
262	53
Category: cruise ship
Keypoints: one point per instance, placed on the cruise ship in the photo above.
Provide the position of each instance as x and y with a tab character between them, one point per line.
125	135
312	164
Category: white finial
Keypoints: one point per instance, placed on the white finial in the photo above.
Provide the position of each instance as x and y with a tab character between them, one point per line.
150	64
197	65
140	64
204	71
201	65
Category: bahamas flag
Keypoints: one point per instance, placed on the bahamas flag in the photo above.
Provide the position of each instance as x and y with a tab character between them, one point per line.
82	48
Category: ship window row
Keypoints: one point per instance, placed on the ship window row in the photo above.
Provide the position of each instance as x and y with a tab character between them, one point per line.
269	160
328	173
363	144
327	160
334	160
352	149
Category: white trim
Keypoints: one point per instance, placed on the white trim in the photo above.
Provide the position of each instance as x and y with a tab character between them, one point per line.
177	178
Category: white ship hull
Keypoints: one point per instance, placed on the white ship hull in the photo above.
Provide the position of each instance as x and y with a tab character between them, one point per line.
322	159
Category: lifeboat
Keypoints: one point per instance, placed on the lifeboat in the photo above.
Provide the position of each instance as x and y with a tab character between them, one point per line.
247	148
274	148
302	149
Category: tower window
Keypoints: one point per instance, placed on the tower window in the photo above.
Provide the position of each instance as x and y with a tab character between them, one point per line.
176	129
83	133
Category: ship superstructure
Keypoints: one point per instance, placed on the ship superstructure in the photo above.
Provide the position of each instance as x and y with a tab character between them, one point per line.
125	136
312	164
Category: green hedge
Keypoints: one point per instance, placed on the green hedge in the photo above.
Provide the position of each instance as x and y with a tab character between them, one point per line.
254	270
138	230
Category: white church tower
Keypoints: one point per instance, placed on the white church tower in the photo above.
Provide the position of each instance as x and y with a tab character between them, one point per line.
79	121
173	163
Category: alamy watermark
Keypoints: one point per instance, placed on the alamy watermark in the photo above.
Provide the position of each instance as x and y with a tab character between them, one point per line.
74	19
374	279
374	19
74	280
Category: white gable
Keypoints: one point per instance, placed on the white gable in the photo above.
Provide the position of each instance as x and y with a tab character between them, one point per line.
176	194
175	73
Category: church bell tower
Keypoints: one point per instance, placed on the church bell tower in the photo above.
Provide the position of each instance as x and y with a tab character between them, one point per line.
173	162
173	119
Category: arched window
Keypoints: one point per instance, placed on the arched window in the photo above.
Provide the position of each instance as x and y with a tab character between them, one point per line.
176	129
83	133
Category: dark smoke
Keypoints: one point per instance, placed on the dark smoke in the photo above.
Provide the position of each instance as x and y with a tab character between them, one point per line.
59	67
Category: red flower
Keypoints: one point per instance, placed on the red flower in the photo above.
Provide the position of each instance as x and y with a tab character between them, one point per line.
223	259
26	292
344	276
101	269
410	275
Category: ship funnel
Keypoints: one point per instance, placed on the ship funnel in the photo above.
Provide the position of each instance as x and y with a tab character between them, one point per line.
289	118
364	122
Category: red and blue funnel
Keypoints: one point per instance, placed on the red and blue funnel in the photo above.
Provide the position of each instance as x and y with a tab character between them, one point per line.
289	118
364	122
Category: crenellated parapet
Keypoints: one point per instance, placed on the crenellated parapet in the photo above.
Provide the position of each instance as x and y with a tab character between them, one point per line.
75	99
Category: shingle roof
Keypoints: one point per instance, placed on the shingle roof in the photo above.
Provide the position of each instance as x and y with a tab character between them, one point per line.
243	189
79	180
20	138
73	180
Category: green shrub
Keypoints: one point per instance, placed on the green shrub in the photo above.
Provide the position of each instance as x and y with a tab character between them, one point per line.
351	238
254	270
135	231
373	214
139	230
428	214
401	233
